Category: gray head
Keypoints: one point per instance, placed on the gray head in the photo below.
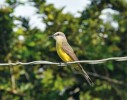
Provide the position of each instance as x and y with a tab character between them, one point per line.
59	36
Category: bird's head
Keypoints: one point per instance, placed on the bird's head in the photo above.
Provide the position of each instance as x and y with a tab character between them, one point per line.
58	36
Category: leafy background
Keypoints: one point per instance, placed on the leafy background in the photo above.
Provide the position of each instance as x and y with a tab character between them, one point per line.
90	37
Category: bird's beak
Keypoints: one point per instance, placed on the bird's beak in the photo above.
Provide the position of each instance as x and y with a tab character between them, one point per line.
51	36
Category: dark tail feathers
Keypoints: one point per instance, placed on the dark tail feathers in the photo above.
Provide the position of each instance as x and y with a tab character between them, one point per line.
86	75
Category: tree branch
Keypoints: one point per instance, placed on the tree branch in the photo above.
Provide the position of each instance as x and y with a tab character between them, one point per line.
107	79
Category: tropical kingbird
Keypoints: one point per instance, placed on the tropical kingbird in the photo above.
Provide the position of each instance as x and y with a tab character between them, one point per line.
67	54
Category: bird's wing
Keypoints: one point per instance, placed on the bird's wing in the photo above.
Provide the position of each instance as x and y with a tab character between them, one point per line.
67	48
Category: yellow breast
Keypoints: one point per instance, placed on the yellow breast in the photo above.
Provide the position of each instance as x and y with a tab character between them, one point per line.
65	57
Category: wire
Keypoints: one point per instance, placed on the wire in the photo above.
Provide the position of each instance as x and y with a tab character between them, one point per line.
64	64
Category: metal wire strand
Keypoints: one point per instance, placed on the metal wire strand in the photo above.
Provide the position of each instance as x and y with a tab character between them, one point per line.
64	64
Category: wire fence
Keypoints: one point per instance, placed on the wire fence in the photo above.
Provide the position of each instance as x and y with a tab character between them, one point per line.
64	64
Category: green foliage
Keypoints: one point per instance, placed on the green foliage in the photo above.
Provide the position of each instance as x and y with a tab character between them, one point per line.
90	37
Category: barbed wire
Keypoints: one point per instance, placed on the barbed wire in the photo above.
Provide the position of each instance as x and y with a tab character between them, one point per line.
64	64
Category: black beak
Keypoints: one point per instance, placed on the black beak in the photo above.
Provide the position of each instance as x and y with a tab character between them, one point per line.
51	36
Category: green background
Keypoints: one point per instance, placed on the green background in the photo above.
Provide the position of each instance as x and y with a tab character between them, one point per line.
91	39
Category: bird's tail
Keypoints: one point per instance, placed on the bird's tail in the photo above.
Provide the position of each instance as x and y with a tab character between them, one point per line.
85	75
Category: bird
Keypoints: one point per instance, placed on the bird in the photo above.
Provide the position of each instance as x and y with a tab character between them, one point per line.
67	54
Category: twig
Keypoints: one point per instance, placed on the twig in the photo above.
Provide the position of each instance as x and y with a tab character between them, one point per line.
12	92
107	79
12	78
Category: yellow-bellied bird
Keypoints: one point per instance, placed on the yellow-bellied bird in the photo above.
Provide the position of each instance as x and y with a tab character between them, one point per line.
67	54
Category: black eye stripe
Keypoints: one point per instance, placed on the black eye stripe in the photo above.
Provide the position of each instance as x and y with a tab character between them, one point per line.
57	34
